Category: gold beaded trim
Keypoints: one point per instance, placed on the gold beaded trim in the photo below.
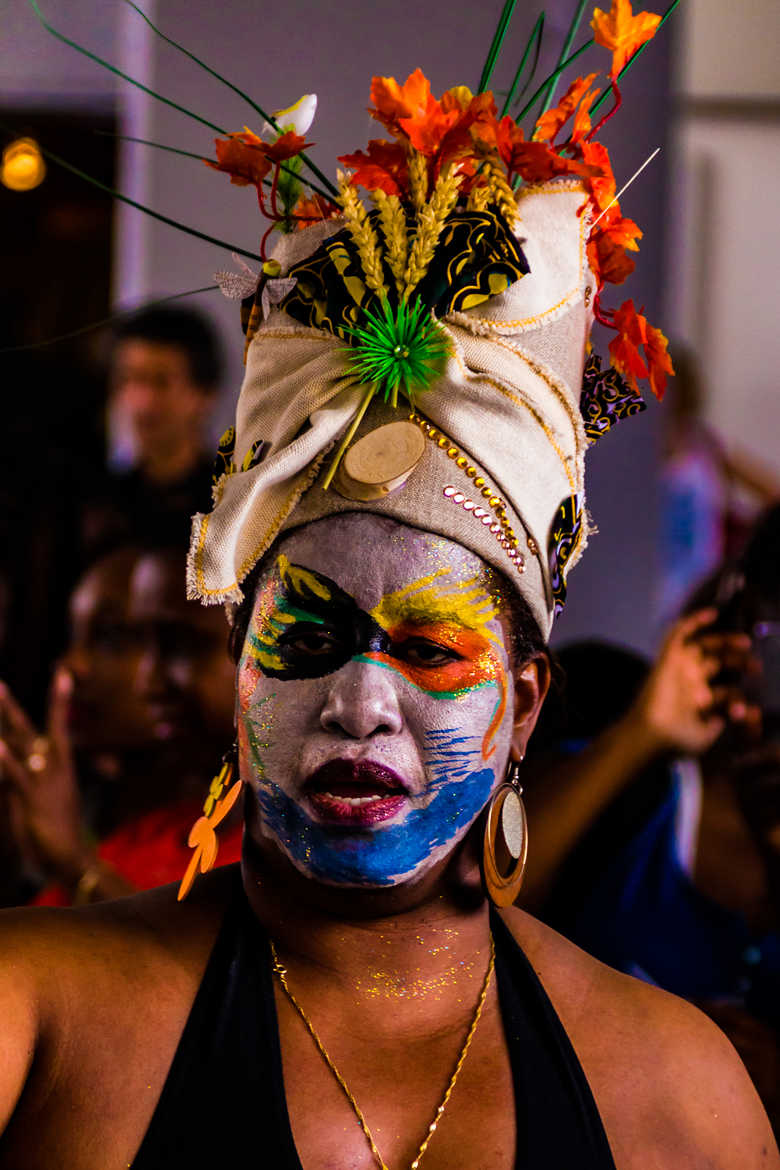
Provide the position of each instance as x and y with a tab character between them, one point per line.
492	511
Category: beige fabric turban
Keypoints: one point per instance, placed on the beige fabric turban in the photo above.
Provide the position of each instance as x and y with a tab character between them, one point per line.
502	469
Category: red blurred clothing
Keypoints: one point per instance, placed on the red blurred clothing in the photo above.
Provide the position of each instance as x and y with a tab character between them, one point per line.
152	850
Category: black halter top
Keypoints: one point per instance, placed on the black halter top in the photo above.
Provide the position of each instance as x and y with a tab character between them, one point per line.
223	1101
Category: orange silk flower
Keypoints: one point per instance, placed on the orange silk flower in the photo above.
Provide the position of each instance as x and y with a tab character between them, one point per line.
621	32
549	124
633	332
243	157
383	166
247	159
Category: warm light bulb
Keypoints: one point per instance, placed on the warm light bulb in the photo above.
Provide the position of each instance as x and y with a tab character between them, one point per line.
22	167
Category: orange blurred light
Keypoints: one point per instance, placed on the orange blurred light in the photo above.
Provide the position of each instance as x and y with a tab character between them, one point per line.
22	167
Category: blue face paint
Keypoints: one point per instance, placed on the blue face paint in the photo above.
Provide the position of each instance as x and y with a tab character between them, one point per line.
380	856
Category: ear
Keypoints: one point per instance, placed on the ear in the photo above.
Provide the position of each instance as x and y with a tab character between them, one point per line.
531	682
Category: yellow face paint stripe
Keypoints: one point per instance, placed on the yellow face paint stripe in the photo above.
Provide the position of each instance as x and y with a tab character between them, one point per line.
424	599
299	578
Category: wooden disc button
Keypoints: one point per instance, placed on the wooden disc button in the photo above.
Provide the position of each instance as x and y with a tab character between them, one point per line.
381	461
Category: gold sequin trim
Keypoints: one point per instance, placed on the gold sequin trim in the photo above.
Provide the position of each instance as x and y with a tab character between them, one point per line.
491	509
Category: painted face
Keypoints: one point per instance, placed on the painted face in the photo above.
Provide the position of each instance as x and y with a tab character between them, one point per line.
374	711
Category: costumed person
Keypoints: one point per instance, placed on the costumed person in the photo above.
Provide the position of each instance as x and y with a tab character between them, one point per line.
103	803
401	500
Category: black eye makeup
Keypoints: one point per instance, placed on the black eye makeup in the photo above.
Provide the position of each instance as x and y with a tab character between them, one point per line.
312	629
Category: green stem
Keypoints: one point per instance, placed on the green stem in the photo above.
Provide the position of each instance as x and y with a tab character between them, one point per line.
106	320
555	74
190	154
369	394
258	109
536	35
148	142
140	206
119	73
606	92
495	45
567	44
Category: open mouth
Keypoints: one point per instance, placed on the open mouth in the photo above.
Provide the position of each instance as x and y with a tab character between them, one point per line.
355	792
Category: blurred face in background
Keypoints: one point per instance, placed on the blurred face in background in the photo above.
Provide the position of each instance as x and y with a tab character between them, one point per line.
106	712
154	392
184	672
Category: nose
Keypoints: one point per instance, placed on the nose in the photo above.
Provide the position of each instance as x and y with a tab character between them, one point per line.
362	702
139	399
152	678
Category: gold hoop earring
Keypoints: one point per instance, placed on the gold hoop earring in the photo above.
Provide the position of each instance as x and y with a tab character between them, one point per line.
505	844
223	794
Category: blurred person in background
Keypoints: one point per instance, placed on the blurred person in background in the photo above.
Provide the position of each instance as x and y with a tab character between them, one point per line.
165	371
656	808
140	710
710	495
53	464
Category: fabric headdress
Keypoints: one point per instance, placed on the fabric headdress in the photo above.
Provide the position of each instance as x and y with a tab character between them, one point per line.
422	351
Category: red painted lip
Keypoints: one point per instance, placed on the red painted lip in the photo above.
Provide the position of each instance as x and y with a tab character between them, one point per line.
357	793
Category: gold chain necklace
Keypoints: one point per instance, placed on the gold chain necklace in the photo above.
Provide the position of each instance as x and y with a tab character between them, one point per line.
281	972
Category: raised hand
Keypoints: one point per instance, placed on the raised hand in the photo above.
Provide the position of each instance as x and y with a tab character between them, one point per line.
40	770
683	707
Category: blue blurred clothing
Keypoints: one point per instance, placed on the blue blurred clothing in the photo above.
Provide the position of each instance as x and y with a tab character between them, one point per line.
643	915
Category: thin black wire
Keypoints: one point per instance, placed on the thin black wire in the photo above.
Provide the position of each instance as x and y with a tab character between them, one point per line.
105	321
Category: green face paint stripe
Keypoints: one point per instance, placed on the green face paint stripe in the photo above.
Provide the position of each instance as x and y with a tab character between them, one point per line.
302	615
256	749
431	694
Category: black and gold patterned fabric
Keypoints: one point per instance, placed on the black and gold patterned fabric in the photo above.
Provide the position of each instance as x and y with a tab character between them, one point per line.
247	305
254	455
606	398
477	257
564	537
223	461
322	302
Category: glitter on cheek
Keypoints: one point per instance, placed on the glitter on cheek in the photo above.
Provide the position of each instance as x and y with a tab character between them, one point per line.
265	603
255	730
248	678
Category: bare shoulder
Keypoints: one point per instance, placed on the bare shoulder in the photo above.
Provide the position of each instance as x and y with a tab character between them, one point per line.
40	945
68	978
670	1088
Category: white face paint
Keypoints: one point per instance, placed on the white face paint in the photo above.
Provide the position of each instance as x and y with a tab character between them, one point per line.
374	699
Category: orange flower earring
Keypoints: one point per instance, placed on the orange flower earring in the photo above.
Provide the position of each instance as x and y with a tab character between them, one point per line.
223	794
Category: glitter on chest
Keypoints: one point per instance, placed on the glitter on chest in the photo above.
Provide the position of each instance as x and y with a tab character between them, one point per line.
385	984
